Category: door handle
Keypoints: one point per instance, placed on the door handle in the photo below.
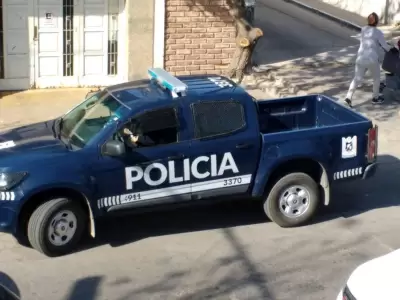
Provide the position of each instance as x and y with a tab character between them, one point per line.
176	157
35	33
244	146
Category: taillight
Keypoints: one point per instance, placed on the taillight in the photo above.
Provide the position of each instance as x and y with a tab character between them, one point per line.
372	144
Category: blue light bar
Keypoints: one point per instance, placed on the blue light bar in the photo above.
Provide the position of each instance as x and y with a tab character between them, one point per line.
168	81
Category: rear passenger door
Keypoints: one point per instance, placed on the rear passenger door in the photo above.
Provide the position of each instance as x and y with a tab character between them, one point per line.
224	151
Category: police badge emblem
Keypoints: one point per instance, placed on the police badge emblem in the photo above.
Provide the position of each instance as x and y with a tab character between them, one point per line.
349	146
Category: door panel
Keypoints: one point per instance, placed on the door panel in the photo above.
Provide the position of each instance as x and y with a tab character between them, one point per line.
49	39
94	40
130	182
229	150
230	169
16	41
56	43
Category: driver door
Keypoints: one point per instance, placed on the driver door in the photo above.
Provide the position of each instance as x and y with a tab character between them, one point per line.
150	175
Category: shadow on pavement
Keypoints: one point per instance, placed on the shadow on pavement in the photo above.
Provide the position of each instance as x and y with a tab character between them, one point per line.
174	284
86	288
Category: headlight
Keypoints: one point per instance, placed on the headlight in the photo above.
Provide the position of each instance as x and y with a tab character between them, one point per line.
9	180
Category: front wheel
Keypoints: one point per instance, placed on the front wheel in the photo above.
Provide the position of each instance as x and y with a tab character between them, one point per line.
293	200
56	227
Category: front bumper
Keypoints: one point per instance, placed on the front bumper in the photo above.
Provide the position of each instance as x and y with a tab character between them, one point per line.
9	205
8	220
370	171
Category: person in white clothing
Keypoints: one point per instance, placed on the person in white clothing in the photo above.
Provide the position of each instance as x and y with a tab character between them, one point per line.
369	58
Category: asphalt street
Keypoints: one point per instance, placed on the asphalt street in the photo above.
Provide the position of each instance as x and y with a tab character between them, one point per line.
291	32
228	251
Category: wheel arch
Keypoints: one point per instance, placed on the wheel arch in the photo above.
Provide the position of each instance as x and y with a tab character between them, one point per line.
40	196
312	167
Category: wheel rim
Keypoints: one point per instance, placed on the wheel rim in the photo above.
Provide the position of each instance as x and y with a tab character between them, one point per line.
294	201
62	228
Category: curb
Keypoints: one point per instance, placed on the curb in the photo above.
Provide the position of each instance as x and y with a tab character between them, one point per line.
336	19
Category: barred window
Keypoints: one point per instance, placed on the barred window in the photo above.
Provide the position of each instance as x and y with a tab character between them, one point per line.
214	118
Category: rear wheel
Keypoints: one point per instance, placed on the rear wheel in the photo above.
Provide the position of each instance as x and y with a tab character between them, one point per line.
293	200
56	226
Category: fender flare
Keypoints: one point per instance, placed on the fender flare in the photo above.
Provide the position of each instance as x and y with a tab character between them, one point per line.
73	188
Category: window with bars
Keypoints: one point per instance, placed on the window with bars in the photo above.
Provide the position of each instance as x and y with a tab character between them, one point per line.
1	42
68	37
112	51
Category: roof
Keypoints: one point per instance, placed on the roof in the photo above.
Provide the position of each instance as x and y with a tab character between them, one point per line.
142	94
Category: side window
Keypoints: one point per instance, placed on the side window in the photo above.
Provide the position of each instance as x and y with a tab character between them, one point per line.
213	118
153	128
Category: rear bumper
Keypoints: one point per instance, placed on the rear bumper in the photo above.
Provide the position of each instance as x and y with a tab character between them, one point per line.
370	171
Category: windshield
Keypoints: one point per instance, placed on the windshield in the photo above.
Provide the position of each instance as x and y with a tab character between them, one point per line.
79	126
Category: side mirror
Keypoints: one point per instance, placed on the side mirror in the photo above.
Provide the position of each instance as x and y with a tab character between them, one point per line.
114	148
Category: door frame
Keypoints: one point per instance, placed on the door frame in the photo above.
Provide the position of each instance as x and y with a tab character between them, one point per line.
79	80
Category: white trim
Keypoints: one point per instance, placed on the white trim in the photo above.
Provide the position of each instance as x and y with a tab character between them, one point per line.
159	34
7	196
174	190
348	173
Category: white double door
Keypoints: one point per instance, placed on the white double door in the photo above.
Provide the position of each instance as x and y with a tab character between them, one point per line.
76	43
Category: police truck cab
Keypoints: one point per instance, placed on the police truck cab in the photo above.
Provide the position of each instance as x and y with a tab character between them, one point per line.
209	139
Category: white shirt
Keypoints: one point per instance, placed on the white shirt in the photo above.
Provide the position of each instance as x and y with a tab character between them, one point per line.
371	44
248	3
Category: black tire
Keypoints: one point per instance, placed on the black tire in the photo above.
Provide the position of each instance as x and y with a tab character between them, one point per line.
39	224
271	204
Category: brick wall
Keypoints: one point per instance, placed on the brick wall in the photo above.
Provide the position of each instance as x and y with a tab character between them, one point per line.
200	37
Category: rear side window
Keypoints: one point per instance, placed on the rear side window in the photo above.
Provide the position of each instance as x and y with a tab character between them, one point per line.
215	118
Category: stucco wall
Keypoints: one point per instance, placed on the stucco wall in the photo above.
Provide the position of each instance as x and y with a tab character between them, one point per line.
140	14
388	10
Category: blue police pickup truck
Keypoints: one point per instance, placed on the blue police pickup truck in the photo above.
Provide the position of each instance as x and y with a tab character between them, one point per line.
169	140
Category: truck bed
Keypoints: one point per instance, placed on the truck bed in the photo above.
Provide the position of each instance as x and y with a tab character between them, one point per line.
304	112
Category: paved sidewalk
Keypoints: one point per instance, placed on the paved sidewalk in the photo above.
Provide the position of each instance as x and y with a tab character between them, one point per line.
21	108
334	13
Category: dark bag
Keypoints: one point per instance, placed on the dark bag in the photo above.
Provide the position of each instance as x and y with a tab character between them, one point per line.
391	62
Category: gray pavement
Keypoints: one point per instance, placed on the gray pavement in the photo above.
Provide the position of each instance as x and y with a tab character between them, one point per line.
231	251
291	32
